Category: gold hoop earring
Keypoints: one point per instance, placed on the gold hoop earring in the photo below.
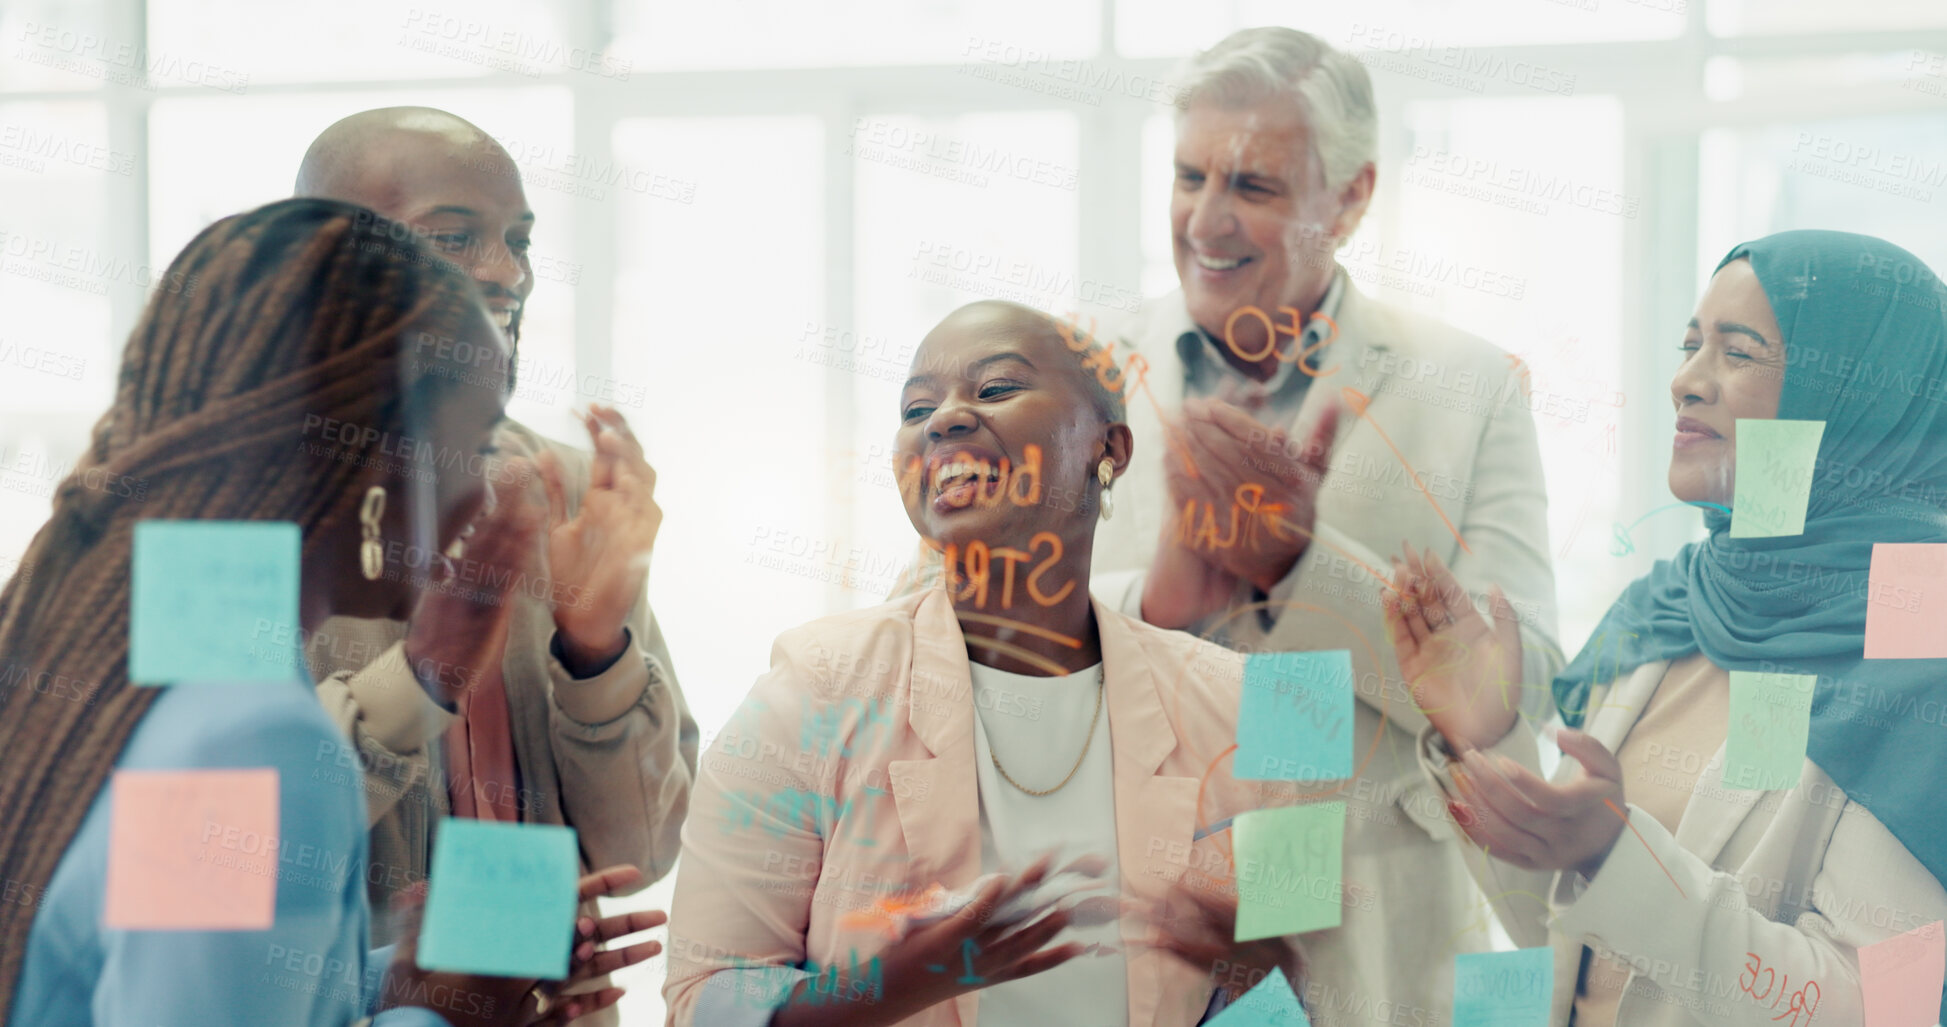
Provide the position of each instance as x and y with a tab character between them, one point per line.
1105	473
371	555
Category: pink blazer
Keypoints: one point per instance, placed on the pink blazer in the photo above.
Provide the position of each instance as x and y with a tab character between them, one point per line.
848	774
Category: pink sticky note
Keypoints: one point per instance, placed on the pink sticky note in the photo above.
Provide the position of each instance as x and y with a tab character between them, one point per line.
1902	977
192	850
1906	601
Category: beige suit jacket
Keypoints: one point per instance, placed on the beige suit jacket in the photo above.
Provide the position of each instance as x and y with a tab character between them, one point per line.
1456	408
612	756
1754	889
848	774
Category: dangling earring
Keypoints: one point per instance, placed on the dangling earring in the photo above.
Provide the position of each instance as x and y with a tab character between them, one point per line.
1105	473
371	555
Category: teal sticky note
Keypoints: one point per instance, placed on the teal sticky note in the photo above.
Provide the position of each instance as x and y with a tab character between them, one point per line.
1771	720
1503	989
206	599
1774	476
1288	863
501	899
1294	718
1270	1003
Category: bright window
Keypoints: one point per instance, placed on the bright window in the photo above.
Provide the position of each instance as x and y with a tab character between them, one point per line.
750	213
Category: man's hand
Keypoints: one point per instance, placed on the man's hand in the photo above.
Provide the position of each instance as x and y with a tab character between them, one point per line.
459	628
1261	501
599	559
1182	589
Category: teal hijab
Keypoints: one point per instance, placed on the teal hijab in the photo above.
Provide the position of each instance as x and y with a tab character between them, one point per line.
1865	331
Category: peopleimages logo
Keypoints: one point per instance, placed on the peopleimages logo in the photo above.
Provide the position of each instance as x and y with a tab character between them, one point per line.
1416	56
502	47
30	150
917	149
1847	161
1432	268
78	267
1512	185
122	63
585	176
1083	81
999	277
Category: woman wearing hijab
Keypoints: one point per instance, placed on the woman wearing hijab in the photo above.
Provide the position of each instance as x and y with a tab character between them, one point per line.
303	314
1675	886
952	736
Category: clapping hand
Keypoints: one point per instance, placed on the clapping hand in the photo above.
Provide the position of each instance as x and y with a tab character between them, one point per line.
459	628
1541	825
1464	673
948	957
1262	502
1182	589
1243	465
599	558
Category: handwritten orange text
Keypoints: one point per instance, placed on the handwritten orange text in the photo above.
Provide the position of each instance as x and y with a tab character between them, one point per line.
1301	357
1205	533
970	572
1100	358
1803	1001
1018	485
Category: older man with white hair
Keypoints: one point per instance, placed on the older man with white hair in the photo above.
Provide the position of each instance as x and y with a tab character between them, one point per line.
1306	431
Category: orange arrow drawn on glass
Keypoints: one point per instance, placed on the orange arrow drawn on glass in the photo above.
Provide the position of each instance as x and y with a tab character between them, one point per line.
1359	402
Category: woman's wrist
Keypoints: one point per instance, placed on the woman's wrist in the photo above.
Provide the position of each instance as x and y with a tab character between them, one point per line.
1588	868
1472	730
1495	725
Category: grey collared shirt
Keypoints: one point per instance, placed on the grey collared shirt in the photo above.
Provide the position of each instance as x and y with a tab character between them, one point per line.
1273	403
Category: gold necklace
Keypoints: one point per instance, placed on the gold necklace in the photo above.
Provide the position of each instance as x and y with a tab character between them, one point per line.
1102	685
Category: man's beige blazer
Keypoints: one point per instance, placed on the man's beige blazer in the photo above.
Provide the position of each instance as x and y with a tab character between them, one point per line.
1457	410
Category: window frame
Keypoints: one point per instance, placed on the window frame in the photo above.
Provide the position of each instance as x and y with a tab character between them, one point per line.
1659	83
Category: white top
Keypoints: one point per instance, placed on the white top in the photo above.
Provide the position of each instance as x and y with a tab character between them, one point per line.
1035	724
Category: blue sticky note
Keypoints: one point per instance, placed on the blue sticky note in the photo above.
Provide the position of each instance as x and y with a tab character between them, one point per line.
1271	1003
1288	865
206	600
1294	719
1503	989
501	899
1775	461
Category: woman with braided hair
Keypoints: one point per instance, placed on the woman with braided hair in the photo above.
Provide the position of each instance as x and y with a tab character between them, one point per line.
303	313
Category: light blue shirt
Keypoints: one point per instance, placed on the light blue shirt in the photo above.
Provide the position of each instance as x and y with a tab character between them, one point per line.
310	968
